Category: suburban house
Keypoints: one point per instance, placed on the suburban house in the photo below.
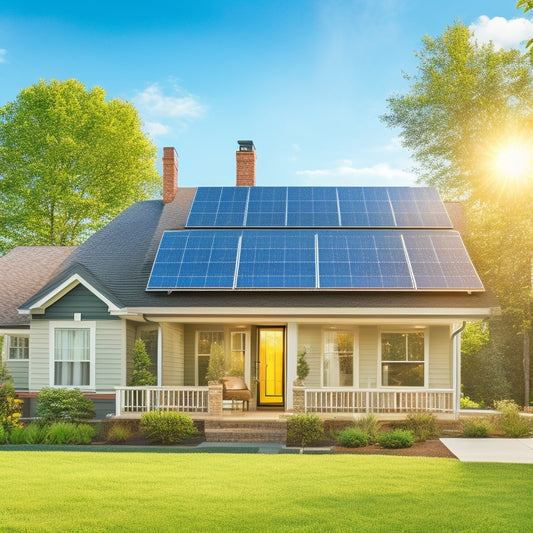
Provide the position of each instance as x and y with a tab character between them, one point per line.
372	283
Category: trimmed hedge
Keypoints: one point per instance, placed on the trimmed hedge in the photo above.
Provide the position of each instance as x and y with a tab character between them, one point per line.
167	427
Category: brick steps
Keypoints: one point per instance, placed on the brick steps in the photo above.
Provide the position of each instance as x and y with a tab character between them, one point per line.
274	431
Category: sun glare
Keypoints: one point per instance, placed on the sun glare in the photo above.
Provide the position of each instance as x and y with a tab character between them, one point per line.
514	162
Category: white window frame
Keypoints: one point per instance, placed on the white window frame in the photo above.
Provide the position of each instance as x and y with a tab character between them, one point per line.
91	326
247	345
340	329
196	343
8	339
425	331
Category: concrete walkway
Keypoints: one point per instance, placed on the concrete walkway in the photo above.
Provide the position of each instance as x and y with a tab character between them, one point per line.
491	450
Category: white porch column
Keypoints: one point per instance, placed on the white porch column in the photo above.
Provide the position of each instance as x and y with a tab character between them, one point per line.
159	356
292	359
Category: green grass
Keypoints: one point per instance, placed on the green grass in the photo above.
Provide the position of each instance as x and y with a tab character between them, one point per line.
76	491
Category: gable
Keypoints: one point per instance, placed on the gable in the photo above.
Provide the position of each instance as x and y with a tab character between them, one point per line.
78	300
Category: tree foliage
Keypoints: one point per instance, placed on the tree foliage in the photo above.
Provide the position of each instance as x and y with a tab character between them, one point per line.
526	5
70	161
142	376
465	105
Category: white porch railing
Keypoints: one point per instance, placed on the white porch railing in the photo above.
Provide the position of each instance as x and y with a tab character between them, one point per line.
378	401
143	399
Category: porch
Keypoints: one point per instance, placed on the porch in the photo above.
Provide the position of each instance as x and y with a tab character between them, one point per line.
204	401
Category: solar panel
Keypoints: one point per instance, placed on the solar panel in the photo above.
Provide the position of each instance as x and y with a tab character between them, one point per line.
318	207
277	259
308	259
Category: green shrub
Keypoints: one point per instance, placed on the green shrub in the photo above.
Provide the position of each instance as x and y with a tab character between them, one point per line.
353	438
142	376
167	427
67	433
118	433
304	429
216	368
4	435
369	425
17	435
302	366
35	433
467	403
510	421
55	405
423	426
10	405
476	428
398	438
84	434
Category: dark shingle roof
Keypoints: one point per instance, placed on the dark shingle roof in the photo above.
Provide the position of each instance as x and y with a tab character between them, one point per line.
23	271
119	258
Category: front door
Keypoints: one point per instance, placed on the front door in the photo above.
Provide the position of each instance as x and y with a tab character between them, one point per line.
271	365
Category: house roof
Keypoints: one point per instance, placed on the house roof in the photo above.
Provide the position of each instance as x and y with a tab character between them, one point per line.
118	260
23	271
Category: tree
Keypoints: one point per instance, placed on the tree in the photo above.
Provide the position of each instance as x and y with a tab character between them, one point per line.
466	104
70	161
216	369
526	5
141	366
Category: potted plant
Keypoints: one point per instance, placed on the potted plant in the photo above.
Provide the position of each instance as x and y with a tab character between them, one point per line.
302	367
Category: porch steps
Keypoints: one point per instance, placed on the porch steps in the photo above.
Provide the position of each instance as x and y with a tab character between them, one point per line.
274	431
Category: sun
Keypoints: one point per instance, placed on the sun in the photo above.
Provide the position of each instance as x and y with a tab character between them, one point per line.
514	162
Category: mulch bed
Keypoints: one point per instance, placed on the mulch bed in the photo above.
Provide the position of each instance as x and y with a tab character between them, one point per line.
430	448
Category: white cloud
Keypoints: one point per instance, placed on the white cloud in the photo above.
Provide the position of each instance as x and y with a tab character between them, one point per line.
3	53
394	144
152	101
153	129
346	174
502	32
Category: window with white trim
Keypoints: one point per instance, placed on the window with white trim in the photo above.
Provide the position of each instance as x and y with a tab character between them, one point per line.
72	357
204	343
337	363
18	347
402	359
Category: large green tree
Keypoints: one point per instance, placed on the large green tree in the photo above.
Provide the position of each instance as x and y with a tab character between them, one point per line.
467	119
70	161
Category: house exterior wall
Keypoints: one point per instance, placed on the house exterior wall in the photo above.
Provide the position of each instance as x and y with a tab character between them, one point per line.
368	357
310	337
131	333
19	371
440	358
173	337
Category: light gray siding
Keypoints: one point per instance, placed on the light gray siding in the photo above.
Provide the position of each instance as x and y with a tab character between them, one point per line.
310	336
368	357
108	364
440	358
131	332
189	349
19	370
39	354
173	354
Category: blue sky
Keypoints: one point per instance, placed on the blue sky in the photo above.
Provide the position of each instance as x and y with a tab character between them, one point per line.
306	80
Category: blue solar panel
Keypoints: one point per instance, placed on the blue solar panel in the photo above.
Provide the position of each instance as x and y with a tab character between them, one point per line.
267	207
312	207
277	259
218	207
307	259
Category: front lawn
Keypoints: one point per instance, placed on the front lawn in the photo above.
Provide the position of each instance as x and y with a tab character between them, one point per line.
76	491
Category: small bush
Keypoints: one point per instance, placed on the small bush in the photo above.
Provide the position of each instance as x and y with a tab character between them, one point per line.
167	427
4	435
142	376
304	429
353	438
84	434
477	428
10	405
17	435
55	405
511	422
423	426
67	433
118	433
35	433
368	424
467	403
398	438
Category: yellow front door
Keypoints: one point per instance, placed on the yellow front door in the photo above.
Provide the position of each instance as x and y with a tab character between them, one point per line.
271	363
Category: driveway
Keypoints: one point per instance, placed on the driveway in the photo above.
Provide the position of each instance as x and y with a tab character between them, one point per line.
492	450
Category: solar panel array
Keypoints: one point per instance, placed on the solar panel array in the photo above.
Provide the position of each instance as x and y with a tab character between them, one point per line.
318	207
313	259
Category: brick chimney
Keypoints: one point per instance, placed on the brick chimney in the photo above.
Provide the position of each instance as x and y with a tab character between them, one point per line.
170	174
246	158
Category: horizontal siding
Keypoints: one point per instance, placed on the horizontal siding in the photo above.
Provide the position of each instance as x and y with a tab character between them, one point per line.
78	300
131	332
368	357
39	354
310	336
173	354
440	358
109	344
19	370
189	349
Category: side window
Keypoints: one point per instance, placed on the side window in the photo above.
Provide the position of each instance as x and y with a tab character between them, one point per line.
402	359
337	362
205	339
18	347
72	357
